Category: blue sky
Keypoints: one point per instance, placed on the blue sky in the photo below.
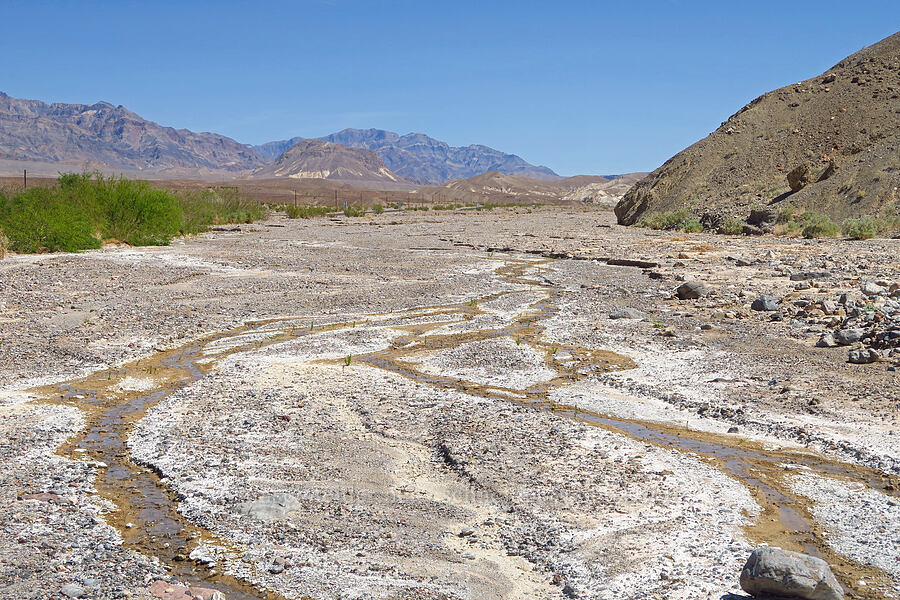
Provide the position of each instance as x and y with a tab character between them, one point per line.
583	87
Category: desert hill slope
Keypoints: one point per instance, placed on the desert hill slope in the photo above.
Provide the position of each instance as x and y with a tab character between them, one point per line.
31	130
500	187
422	159
317	159
842	128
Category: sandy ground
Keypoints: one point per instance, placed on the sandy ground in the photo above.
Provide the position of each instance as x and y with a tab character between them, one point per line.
439	486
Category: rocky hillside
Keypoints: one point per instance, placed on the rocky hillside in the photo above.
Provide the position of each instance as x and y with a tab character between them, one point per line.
837	135
495	186
317	159
31	130
422	159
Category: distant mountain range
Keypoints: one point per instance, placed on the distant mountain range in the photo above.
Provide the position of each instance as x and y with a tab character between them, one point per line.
422	159
317	159
31	130
114	138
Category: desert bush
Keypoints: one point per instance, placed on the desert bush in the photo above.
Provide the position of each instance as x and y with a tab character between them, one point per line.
787	213
354	211
731	226
217	206
691	225
863	228
4	244
84	209
306	212
667	220
377	209
817	225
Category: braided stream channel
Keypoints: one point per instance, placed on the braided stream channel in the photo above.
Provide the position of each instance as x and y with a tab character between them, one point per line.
147	514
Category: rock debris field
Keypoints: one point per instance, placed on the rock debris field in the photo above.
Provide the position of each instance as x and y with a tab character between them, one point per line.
447	406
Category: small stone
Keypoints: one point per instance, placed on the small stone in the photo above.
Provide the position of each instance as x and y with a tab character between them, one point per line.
846	337
691	290
766	303
73	590
870	288
863	356
626	313
826	341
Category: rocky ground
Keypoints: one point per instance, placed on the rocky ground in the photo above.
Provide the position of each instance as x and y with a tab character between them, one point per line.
370	446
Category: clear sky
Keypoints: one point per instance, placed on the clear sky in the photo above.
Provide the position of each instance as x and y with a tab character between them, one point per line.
582	87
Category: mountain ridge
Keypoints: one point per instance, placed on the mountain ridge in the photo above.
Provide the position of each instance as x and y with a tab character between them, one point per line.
318	159
32	130
419	158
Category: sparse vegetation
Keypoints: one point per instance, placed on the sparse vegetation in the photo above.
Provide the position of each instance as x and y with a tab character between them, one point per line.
731	226
306	212
681	220
817	225
863	228
4	244
353	210
691	225
377	209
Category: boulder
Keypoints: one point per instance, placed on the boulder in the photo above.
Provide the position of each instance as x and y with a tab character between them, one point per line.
846	337
626	313
798	177
870	288
863	356
808	275
269	508
786	574
691	290
826	341
768	303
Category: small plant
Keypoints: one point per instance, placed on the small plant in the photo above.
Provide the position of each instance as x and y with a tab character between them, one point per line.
668	220
473	302
731	226
377	209
787	213
306	212
863	228
518	340
817	225
691	225
354	211
553	351
347	360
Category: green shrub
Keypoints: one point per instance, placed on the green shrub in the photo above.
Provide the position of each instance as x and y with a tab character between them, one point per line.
787	213
4	244
667	220
217	206
817	225
42	220
731	226
377	209
354	211
306	212
691	225
87	208
863	228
